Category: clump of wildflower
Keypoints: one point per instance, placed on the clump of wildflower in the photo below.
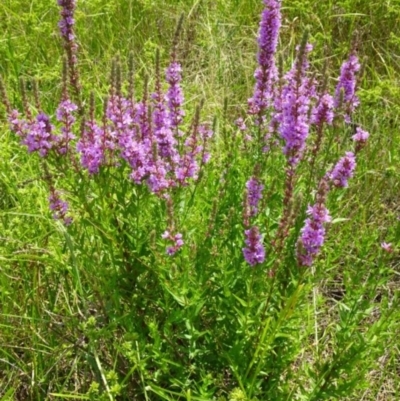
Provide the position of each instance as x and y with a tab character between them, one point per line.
343	170
266	71
254	252
59	207
176	239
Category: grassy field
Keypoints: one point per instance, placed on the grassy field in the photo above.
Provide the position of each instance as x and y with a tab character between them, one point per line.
97	310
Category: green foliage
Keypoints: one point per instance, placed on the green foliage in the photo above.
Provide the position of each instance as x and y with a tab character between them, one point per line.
98	311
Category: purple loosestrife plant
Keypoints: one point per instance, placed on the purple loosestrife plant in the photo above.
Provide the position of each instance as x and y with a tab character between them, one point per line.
296	104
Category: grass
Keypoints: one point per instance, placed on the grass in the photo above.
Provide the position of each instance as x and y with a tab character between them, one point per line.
98	311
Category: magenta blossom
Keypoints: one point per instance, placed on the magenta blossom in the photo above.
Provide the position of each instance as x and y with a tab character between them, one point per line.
254	252
312	234
343	170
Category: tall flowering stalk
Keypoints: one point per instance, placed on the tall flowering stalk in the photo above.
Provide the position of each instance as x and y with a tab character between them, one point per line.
64	114
266	71
59	207
254	252
294	117
263	94
343	170
174	95
313	233
345	93
66	26
91	145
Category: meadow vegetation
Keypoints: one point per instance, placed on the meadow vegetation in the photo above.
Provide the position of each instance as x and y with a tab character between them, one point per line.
182	246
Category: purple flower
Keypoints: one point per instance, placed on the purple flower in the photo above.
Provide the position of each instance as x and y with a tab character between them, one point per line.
254	252
346	87
67	22
343	170
254	195
18	125
241	124
195	146
91	147
360	136
266	71
64	114
312	234
174	94
293	116
323	111
39	136
175	239
387	247
59	208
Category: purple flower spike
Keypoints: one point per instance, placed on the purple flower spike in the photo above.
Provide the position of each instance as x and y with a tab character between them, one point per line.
254	195
39	137
91	147
347	85
177	242
64	114
174	94
293	118
360	135
67	22
18	125
343	170
266	72
360	138
313	234
323	111
254	252
59	208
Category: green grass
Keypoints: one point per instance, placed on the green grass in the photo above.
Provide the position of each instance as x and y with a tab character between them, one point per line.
98	311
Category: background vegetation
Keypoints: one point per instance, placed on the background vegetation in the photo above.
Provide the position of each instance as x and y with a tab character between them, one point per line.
68	320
